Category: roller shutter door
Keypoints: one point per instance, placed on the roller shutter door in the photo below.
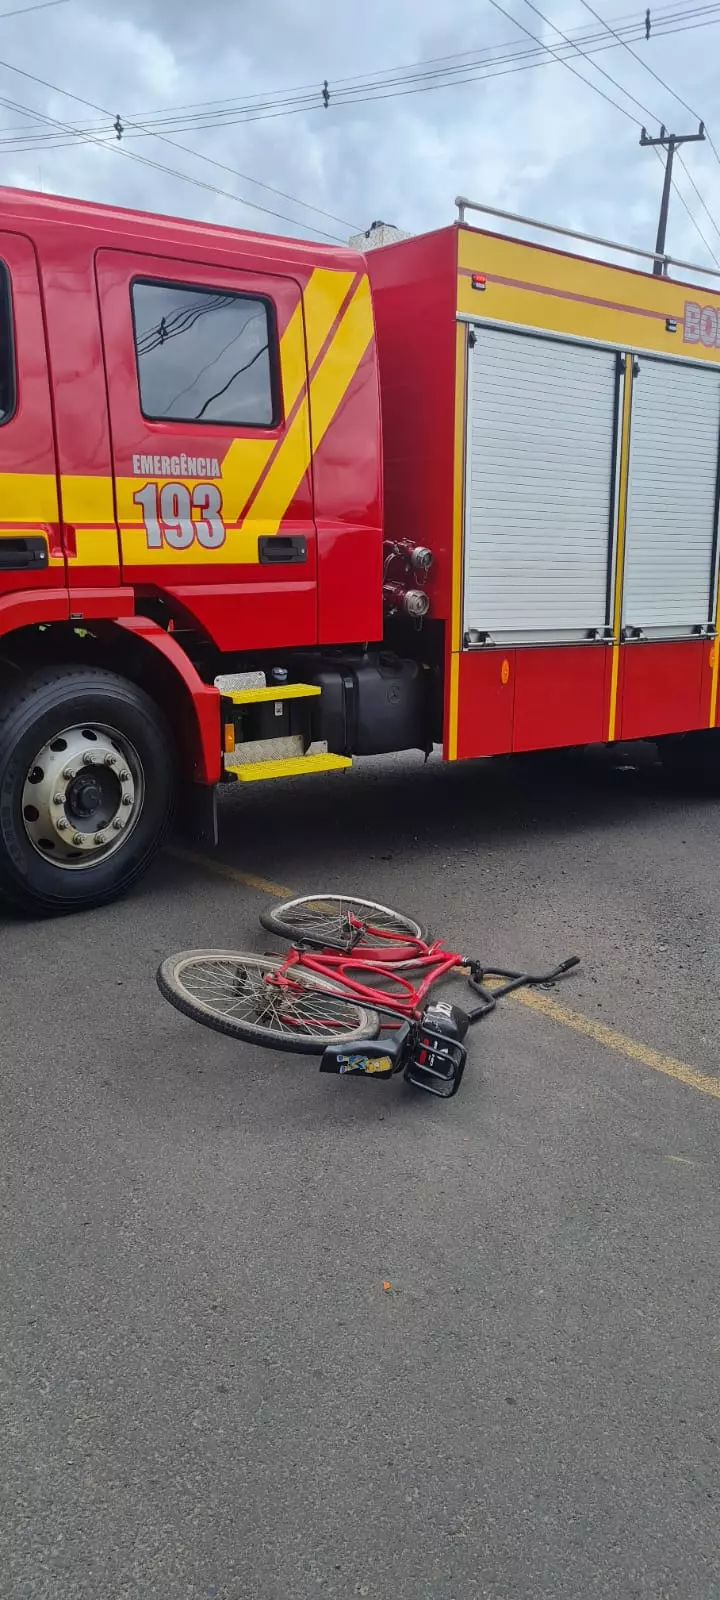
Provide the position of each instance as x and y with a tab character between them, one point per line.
540	485
672	496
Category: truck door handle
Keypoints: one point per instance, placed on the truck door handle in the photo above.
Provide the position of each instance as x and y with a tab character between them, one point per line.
276	549
19	553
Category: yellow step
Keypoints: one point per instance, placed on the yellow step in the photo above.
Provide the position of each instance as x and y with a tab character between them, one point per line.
287	691
256	771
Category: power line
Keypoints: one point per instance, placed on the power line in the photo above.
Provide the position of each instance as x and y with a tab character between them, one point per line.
157	166
563	59
671	92
598	90
647	68
55	89
377	90
691	180
43	5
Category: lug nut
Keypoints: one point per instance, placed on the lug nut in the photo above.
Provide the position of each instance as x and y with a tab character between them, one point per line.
68	772
58	799
62	822
88	758
99	838
117	824
127	799
124	776
110	760
78	838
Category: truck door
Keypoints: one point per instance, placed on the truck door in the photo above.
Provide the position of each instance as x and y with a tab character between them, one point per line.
206	375
31	547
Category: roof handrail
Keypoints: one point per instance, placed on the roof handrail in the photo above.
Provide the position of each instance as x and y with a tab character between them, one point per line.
464	205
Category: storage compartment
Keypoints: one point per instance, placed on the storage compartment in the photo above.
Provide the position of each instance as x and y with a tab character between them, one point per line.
541	459
671	520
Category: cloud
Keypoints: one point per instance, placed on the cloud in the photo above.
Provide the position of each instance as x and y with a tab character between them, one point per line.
537	141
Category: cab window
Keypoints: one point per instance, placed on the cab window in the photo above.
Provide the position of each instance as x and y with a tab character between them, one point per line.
204	355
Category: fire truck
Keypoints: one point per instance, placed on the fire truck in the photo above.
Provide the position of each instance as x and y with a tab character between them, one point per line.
269	506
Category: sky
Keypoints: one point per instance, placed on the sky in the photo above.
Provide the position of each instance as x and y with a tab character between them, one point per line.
537	141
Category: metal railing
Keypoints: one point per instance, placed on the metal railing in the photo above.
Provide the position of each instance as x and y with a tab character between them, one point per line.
464	205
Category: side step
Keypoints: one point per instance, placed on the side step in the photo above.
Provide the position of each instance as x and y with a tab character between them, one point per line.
287	691
267	730
294	767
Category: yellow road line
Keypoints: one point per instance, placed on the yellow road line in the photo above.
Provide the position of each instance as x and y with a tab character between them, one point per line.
533	999
220	870
619	1042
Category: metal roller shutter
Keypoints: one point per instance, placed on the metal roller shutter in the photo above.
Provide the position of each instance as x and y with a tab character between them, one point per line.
540	475
672	488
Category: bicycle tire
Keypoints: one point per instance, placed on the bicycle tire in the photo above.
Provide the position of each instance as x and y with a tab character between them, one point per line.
363	1023
316	920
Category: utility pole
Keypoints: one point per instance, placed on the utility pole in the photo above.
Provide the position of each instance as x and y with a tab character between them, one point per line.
670	141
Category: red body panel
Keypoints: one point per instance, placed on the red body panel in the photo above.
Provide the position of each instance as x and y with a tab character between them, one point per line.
27	444
414	288
561	696
486	703
514	700
663	688
349	515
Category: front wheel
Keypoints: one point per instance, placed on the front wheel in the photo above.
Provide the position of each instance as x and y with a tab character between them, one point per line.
247	997
86	788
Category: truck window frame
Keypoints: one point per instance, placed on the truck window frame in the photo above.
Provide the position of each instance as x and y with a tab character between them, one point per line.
6	311
143	281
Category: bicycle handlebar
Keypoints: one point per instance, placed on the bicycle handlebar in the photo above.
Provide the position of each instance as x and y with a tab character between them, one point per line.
516	980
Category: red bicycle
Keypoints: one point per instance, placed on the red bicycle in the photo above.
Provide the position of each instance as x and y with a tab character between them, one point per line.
351	988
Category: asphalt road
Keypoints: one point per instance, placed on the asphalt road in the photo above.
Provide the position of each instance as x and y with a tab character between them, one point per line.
207	1393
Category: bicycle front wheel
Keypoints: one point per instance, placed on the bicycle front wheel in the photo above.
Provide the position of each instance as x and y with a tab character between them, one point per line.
342	922
241	995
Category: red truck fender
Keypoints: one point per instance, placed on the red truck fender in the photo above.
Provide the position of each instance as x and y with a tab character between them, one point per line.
201	700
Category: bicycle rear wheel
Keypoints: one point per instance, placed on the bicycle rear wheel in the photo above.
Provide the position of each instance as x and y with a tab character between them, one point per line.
330	921
229	991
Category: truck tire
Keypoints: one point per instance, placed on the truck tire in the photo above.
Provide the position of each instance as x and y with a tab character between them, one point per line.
693	759
87	784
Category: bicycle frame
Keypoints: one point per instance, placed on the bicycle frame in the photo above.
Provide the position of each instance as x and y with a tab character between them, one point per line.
399	995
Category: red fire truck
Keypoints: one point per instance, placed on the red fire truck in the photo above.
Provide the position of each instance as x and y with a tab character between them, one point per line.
268	506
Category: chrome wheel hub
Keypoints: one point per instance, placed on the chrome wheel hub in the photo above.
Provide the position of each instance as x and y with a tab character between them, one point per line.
82	795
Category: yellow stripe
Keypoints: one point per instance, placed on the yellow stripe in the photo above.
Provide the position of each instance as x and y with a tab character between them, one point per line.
619	1042
620	547
532	999
457	525
323	298
458	478
28	497
336	371
329	385
220	870
95	547
453	706
87	500
714	662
